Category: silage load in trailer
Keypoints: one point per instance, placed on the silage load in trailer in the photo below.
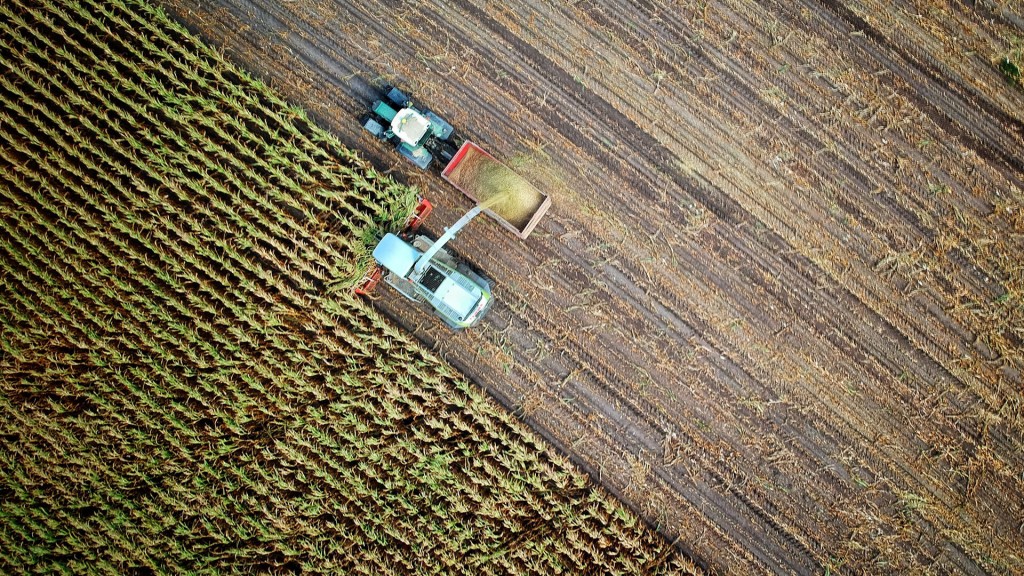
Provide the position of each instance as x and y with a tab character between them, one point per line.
507	197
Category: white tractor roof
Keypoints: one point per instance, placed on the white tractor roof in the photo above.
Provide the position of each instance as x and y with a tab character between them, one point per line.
395	255
410	126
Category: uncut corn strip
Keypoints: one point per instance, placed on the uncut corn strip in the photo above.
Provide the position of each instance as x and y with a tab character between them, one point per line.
181	390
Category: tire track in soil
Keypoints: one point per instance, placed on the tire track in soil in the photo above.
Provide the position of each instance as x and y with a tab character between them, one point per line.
746	535
627	415
704	329
999	132
999	438
593	392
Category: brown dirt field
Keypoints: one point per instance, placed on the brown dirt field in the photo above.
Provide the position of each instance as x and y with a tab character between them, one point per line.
776	305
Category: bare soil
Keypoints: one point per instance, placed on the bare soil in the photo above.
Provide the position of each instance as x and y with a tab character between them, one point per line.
776	305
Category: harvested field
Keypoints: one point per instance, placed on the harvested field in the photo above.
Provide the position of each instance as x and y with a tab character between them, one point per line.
187	384
777	302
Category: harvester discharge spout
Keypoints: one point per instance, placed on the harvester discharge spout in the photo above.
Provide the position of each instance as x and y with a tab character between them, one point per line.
447	237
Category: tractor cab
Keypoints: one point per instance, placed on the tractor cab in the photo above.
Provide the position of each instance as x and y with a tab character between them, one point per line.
410	126
418	135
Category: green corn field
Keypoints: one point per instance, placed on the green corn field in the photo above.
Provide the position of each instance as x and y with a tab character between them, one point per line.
187	384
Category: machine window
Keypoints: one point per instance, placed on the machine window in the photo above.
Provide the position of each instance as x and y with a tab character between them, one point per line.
433	279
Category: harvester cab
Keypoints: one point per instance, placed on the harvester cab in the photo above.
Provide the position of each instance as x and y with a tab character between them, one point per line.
423	271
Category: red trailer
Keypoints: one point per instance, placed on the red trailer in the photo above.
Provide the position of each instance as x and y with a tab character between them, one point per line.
504	195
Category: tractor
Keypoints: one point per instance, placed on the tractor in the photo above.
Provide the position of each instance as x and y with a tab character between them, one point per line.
418	135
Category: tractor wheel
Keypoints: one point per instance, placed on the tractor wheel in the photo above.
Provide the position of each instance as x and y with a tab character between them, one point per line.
396	96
